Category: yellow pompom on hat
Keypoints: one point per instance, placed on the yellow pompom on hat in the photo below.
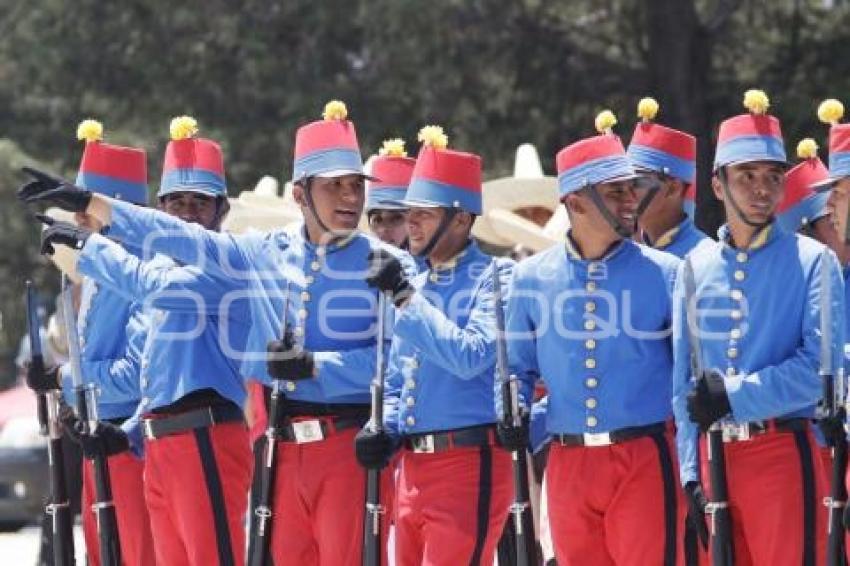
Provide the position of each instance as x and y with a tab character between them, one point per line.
183	128
393	147
116	171
605	122
433	136
807	148
191	164
90	131
754	136
831	111
647	109
327	147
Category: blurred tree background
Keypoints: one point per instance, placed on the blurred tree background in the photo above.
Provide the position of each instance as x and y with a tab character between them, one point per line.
495	73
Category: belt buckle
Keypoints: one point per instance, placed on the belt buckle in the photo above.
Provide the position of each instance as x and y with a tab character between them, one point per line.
596	439
733	432
147	428
423	444
308	431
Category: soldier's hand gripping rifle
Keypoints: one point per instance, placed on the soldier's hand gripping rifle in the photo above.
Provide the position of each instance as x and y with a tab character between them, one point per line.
261	525
832	417
374	509
526	543
718	506
59	507
86	406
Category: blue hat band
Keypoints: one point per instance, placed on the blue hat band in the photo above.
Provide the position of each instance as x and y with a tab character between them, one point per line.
839	165
811	208
443	194
654	159
116	188
595	171
196	180
327	160
750	148
375	197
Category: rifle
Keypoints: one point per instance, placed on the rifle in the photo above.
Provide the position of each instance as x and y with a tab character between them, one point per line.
103	507
59	507
374	509
261	527
722	553
833	393
526	543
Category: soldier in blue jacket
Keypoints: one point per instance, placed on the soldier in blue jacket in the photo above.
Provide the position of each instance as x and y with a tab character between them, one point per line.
111	328
592	318
454	485
197	458
666	160
320	267
757	309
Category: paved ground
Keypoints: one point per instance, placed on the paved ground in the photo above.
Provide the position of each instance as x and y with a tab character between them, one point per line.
21	548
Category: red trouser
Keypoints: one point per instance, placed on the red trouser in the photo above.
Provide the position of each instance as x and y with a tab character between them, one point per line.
451	506
615	504
196	486
775	494
134	529
319	502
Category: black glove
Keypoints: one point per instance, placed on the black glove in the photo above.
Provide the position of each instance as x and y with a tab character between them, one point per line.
41	379
285	361
106	439
832	428
47	189
708	401
63	233
374	449
513	438
387	274
696	511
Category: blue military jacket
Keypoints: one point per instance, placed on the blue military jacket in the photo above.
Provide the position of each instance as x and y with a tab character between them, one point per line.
330	307
440	370
680	239
758	317
598	332
111	328
193	338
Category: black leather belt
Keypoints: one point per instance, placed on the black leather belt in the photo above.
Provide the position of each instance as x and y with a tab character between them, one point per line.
306	429
154	428
440	441
735	432
611	437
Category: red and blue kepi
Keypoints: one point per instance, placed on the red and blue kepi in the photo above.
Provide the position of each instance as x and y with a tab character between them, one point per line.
802	205
755	136
327	147
392	169
191	164
594	160
444	177
664	150
112	170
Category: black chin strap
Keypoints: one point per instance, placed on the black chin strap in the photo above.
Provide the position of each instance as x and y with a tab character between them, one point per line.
646	201
721	176
613	222
438	234
308	196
